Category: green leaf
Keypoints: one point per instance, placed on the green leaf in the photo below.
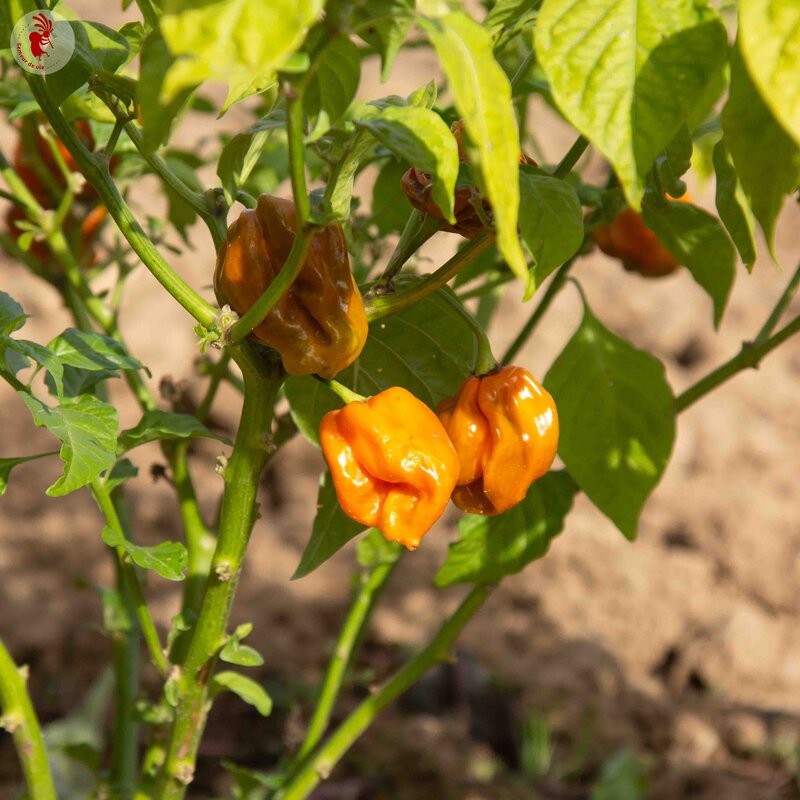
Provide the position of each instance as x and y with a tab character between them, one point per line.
769	37
732	206
38	353
373	550
427	348
98	49
241	154
551	220
489	548
422	138
92	351
334	85
87	430
246	688
234	652
12	317
617	420
332	530
623	777
507	18
766	158
180	214
7	464
674	162
163	425
134	34
384	24
699	242
167	559
482	96
389	209
627	75
236	41
122	471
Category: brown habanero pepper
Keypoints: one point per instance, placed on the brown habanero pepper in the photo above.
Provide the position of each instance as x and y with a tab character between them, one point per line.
504	426
416	186
319	325
392	464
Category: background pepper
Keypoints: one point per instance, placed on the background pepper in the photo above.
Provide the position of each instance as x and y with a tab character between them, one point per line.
319	325
416	186
630	240
392	464
504	427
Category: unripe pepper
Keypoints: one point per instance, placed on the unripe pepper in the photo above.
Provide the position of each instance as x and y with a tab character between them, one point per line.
416	186
632	242
504	426
319	325
392	463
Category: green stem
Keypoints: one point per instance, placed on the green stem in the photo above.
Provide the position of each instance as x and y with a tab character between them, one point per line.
369	592
131	580
20	720
242	476
320	763
749	356
485	361
341	391
552	290
781	306
149	13
303	230
418	229
97	174
377	307
571	157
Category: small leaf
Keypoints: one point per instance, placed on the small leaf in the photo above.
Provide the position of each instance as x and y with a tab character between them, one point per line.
332	530
700	243
7	464
628	75
489	548
551	221
334	85
482	95
422	138
38	353
769	38
384	24
373	550
92	351
167	559
507	18
766	158
234	652
246	688
88	433
732	206
122	471
617	420
12	317
163	425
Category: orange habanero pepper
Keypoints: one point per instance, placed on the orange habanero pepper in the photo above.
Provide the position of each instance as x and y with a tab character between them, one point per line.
504	426
319	325
416	185
627	238
392	464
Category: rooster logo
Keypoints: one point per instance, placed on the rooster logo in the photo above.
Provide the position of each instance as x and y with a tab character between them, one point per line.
40	38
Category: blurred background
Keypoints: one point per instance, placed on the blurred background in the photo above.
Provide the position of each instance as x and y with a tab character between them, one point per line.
667	668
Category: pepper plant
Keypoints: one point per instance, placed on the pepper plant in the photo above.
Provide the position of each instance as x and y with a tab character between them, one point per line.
649	87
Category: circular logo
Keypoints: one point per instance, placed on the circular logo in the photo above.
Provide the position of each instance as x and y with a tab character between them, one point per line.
42	42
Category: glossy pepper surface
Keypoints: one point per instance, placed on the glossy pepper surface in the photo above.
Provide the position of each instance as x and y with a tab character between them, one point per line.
319	325
504	427
392	463
635	245
416	186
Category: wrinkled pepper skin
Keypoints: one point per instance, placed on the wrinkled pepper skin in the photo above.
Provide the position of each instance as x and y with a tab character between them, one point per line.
635	245
392	463
416	186
319	325
504	426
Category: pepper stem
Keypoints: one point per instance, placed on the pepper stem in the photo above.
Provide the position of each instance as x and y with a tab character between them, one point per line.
347	395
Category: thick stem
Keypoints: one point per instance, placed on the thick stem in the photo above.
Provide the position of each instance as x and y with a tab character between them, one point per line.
369	592
377	307
242	475
99	177
749	356
319	765
20	720
552	290
303	230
